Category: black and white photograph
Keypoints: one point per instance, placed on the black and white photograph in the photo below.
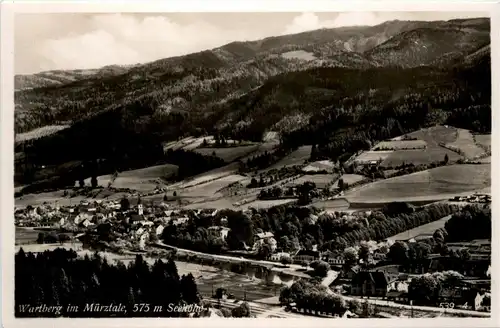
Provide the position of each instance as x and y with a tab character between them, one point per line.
298	165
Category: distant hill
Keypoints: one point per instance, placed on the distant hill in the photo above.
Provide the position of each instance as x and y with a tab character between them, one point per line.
201	79
60	77
432	44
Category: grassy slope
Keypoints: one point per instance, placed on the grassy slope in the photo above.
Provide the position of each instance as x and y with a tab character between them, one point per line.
438	183
433	153
428	228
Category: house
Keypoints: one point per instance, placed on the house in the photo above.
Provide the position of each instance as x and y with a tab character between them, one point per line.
179	220
277	256
263	235
85	223
306	256
397	296
332	258
370	283
142	240
159	230
350	273
137	218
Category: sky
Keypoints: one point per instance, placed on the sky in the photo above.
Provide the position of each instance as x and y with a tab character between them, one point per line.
83	40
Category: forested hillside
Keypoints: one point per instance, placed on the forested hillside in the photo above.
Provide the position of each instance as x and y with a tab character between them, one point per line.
363	84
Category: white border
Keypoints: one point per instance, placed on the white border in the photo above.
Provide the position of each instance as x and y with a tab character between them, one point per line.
8	9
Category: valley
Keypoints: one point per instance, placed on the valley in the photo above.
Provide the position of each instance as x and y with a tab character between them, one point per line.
294	168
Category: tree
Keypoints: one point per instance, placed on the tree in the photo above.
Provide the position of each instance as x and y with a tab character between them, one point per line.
175	194
341	184
446	159
286	260
81	182
125	204
364	252
398	252
242	311
321	269
41	238
350	256
189	290
165	198
438	236
424	289
93	181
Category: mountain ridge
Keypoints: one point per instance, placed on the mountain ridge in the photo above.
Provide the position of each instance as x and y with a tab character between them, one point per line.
244	89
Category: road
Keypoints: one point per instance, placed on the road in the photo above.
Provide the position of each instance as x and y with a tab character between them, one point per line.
290	267
420	308
330	277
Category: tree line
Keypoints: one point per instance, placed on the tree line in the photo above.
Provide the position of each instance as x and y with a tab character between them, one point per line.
60	278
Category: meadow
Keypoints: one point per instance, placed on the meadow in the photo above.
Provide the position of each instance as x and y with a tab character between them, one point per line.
368	156
400	145
211	188
433	137
428	228
145	179
321	180
466	145
228	154
437	183
40	132
484	140
297	157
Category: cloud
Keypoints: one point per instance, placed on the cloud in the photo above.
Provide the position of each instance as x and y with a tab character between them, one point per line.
82	41
125	39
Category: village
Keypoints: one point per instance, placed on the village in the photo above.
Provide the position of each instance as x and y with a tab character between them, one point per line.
119	227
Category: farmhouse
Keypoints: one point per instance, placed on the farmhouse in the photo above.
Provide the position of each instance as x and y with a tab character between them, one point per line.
278	256
263	235
306	256
332	258
368	283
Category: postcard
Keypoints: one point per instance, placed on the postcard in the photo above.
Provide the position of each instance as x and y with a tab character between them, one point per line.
312	163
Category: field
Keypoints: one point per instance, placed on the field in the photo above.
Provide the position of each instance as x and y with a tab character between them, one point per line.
419	157
258	204
337	204
321	180
465	143
297	157
319	166
198	142
268	146
437	183
368	156
205	177
400	145
349	179
48	197
228	154
211	188
142	179
435	135
40	132
428	228
484	140
433	153
175	145
25	236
